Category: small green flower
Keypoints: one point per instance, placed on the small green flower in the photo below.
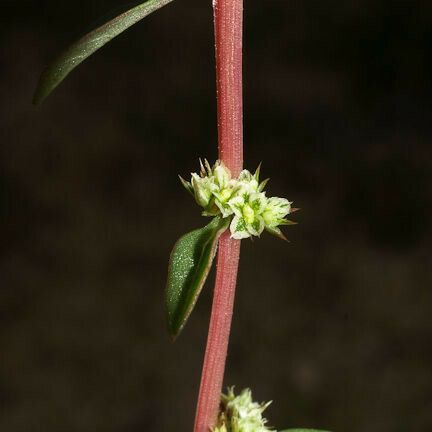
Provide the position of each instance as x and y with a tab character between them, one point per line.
212	188
241	414
242	198
248	181
274	215
226	188
222	175
248	209
203	188
251	181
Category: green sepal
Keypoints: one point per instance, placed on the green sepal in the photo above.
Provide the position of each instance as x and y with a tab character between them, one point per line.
257	172
276	232
189	266
187	185
263	184
60	68
287	222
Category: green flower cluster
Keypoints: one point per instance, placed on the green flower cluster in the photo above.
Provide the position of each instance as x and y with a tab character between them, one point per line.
241	414
243	199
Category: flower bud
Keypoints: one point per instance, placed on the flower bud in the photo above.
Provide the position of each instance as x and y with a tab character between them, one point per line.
241	414
202	188
275	211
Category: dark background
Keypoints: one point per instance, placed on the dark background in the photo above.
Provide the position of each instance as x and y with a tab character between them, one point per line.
335	327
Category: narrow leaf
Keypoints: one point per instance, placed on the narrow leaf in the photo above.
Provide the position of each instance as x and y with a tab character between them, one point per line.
189	265
57	71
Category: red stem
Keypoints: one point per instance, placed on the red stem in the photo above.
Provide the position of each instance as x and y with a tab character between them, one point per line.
218	336
228	20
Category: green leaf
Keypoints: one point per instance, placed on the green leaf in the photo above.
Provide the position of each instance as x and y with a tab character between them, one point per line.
189	266
57	71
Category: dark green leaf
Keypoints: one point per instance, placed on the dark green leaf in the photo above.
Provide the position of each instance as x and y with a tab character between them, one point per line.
189	265
87	45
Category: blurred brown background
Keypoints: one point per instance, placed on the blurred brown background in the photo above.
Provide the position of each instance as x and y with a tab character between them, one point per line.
335	327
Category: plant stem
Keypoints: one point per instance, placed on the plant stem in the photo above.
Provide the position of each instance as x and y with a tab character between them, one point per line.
218	335
228	21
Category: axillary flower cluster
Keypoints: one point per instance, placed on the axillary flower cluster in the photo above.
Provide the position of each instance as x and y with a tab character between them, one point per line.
242	198
241	414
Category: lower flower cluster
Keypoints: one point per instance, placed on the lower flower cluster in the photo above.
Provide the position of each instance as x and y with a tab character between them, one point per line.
241	414
243	199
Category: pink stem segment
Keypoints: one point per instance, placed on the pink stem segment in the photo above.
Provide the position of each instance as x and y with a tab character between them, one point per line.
228	20
218	336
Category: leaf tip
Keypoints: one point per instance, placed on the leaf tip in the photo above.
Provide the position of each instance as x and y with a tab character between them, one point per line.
43	89
172	336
